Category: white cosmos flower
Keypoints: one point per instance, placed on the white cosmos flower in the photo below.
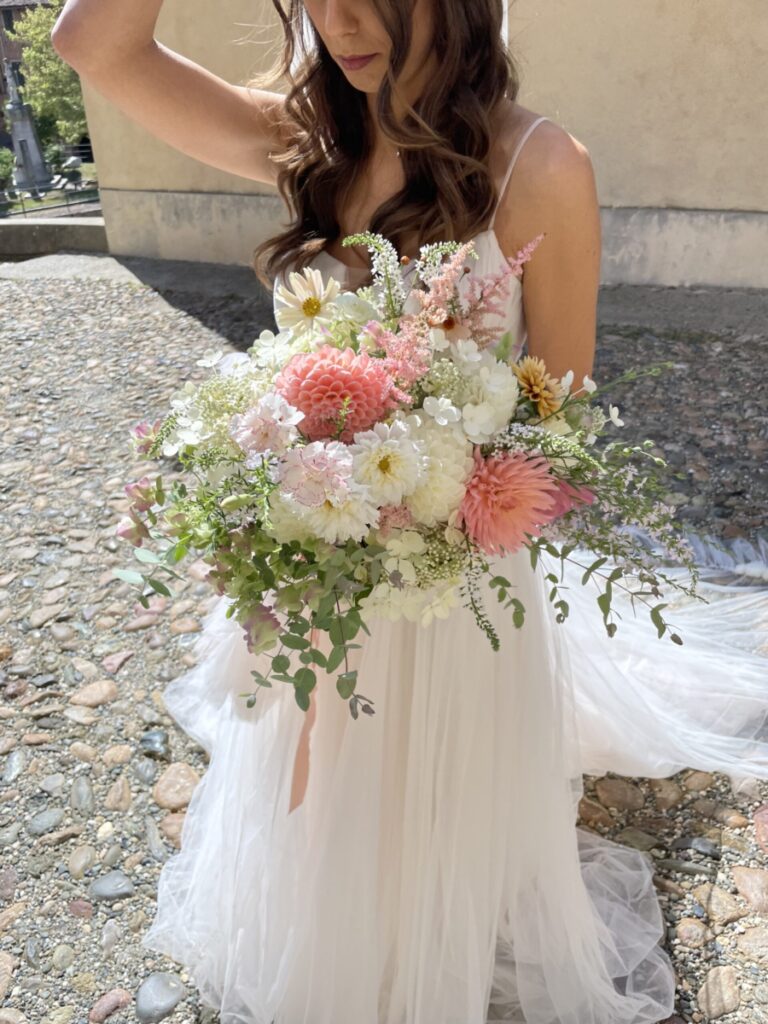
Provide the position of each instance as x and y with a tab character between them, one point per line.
308	303
613	412
589	385
350	519
567	380
442	410
388	461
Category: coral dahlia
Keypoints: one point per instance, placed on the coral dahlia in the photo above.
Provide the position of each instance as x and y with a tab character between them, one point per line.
507	497
339	391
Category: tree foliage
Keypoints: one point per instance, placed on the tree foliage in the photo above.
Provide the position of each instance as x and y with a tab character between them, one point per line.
51	86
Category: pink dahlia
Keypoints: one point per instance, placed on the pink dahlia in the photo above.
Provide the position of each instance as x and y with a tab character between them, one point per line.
507	497
325	383
568	496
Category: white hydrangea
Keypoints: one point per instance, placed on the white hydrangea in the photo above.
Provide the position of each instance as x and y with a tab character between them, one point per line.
411	603
449	467
402	548
288	522
394	603
350	517
388	461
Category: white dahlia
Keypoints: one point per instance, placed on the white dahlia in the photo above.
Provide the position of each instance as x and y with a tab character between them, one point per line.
350	518
449	467
388	461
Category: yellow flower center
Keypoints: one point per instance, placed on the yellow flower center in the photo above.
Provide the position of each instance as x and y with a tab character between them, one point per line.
312	306
385	464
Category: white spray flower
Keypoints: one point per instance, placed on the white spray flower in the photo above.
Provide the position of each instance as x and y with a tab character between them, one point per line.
442	410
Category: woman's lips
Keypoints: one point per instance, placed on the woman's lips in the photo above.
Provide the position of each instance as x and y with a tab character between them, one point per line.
355	63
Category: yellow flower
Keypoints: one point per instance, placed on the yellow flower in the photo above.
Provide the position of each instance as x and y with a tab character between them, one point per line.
537	385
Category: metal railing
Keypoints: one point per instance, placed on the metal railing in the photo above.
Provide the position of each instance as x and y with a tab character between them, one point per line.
74	193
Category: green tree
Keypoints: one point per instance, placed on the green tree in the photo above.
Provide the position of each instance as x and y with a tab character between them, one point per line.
51	86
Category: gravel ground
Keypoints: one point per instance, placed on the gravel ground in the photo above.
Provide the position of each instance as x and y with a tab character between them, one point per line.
95	777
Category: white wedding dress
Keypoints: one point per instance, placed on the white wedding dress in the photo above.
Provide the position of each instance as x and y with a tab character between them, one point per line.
434	873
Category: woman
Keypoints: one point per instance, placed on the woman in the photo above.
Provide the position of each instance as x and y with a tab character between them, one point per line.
422	866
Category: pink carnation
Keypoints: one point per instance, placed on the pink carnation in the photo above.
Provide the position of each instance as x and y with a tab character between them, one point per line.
568	496
508	497
394	517
320	383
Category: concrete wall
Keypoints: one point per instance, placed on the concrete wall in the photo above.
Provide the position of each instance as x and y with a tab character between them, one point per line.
668	95
158	202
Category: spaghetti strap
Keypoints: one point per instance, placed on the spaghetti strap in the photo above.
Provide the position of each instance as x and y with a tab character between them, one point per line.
513	161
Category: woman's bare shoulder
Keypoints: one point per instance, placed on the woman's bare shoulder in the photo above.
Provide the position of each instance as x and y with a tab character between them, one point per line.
553	175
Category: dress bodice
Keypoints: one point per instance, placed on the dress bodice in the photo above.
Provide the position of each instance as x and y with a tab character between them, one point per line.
491	260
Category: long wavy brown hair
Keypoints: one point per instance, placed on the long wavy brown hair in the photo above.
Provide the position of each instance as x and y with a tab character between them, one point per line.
444	138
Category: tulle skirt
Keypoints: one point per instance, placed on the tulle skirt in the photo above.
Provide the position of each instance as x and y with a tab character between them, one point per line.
434	873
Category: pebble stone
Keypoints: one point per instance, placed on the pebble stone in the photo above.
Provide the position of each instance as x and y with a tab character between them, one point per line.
159	996
74	633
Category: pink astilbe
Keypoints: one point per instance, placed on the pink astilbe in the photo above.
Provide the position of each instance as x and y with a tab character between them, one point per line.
487	293
407	355
332	385
507	497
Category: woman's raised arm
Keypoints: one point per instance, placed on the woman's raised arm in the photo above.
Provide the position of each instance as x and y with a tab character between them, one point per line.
111	44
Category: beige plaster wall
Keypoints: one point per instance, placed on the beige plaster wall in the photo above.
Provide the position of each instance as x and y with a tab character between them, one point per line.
668	95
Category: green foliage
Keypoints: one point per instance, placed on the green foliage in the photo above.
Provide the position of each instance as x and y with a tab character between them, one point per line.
6	167
52	87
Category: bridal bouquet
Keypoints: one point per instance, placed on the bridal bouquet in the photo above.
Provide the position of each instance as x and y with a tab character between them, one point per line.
376	456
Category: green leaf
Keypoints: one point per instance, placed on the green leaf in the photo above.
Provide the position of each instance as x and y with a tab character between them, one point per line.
593	568
518	616
346	683
337	633
159	587
604	603
281	663
499	581
129	576
295	643
146	556
306	679
657	619
318	657
335	658
302	699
